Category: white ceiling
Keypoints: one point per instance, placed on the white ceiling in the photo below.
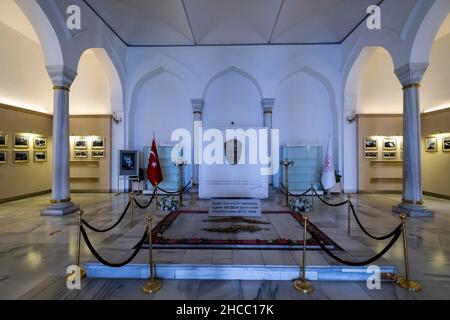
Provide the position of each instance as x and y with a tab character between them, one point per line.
228	22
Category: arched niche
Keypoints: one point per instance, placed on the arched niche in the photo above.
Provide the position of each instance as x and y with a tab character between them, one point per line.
232	96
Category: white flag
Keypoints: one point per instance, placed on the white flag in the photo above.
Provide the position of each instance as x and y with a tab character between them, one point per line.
328	177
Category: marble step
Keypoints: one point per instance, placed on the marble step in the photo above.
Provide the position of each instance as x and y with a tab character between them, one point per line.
237	272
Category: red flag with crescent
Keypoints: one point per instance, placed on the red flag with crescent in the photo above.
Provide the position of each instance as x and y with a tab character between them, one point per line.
154	174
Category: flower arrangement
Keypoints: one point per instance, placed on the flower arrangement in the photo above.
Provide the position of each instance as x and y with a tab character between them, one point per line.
300	204
168	203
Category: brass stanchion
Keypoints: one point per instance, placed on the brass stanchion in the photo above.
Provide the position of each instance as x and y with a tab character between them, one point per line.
286	163
312	195
349	198
301	284
132	209
82	271
155	191
154	284
180	163
406	282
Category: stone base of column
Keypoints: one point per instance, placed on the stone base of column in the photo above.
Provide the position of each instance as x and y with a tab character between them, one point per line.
412	210
60	209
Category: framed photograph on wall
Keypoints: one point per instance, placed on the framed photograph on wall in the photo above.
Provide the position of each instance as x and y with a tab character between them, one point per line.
431	144
390	155
98	143
3	155
80	144
389	144
21	156
371	155
80	154
446	144
21	141
370	143
128	163
3	140
40	143
40	156
98	154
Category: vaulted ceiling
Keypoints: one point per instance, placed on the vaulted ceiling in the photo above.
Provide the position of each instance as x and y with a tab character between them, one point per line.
231	22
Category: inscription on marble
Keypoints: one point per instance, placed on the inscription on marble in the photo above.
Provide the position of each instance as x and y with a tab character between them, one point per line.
235	208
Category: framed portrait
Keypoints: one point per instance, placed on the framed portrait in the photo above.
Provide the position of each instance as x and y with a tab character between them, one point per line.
21	156
98	154
389	144
40	156
371	155
21	141
98	143
3	140
390	155
370	143
40	143
80	154
128	163
446	143
3	155
431	144
80	144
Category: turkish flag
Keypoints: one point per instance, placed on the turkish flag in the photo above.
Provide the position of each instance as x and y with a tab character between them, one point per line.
154	174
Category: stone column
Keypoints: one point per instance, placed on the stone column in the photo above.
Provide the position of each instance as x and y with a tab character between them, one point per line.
412	202
267	106
61	204
197	109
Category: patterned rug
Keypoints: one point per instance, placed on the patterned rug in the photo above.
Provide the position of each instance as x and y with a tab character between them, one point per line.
226	239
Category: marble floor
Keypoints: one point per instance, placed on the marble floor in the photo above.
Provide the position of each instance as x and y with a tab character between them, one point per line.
35	252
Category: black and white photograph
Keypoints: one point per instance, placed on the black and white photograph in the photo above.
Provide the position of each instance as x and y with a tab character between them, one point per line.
40	156
371	155
80	154
389	144
431	144
21	156
3	157
389	155
98	154
370	143
80	144
446	143
98	143
3	140
21	141
128	160
40	143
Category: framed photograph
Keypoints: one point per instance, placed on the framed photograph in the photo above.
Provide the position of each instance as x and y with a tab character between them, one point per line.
389	144
21	141
370	143
40	156
446	143
98	143
98	154
3	140
390	155
80	144
80	154
3	157
128	163
371	155
401	144
431	144
21	156
40	143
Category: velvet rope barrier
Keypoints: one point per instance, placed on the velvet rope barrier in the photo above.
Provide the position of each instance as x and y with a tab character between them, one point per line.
113	264
398	232
328	203
113	226
146	205
294	195
174	192
366	232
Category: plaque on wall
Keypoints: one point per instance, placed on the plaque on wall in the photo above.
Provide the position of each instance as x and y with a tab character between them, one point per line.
128	163
235	208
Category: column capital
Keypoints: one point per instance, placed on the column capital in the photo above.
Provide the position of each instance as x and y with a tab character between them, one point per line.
197	105
411	74
267	104
61	76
